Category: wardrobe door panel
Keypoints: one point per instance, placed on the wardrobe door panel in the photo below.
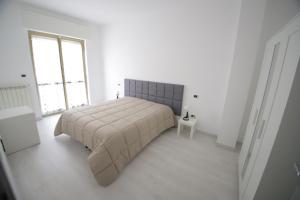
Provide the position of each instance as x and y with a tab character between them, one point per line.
271	55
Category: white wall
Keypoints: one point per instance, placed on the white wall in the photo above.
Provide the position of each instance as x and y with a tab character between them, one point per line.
189	43
15	59
250	26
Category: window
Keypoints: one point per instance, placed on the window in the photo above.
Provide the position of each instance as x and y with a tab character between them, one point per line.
59	66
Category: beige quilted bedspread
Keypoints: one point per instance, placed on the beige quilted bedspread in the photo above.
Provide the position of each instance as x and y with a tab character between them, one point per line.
115	131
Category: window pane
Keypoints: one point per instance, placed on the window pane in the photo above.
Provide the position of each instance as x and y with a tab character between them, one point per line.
76	94
74	73
52	98
48	74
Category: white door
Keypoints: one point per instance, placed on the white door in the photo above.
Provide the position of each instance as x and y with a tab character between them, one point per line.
268	92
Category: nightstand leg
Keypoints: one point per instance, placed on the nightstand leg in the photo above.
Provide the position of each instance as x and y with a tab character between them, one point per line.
192	132
178	129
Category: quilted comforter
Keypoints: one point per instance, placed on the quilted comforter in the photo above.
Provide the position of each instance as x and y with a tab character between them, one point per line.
115	132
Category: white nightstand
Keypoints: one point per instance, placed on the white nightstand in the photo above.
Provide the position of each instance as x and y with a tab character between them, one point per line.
190	123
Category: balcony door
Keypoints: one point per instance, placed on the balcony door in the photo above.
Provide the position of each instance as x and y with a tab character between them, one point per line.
59	66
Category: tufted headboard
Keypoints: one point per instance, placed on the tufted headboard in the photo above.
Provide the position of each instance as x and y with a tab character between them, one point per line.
163	93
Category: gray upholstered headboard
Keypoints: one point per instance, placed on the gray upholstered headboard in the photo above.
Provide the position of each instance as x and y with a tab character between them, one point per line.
163	93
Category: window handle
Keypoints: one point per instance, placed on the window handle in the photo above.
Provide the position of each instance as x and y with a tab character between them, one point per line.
255	117
44	84
261	129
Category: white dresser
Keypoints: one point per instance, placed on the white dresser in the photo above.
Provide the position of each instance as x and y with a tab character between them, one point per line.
18	129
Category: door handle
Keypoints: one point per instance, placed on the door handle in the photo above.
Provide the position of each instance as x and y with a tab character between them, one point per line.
261	129
2	144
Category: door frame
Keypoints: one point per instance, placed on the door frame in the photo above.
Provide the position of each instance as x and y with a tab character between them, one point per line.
59	39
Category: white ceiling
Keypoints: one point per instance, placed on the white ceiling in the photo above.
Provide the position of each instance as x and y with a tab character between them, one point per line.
104	11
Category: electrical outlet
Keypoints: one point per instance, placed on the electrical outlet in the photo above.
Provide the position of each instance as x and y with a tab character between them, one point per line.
195	96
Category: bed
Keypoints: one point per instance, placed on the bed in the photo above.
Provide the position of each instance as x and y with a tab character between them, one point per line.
116	131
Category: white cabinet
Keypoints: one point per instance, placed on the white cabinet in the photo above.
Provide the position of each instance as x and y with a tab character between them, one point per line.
281	60
18	129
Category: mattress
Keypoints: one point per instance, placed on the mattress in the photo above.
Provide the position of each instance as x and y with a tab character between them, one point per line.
115	132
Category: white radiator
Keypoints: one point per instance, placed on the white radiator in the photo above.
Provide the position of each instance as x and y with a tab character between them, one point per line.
14	96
